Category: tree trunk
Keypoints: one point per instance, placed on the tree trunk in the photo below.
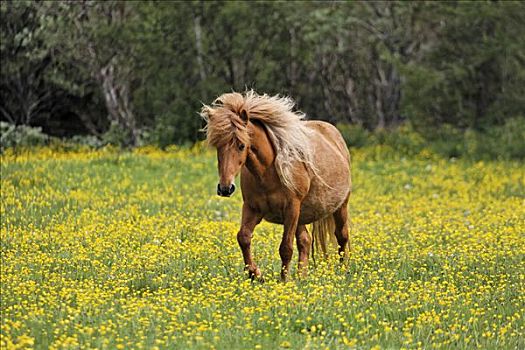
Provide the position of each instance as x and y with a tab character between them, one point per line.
292	70
116	96
198	44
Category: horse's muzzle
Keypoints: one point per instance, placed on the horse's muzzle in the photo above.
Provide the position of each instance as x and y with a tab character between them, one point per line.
225	191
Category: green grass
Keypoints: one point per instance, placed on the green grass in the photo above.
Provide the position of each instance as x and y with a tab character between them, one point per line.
135	250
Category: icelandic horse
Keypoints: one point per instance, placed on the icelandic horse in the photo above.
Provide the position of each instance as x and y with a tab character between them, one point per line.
293	172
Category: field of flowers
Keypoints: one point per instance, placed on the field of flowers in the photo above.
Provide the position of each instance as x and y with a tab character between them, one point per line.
104	249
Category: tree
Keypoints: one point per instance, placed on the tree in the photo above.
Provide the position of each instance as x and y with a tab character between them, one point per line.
136	66
25	94
91	45
473	74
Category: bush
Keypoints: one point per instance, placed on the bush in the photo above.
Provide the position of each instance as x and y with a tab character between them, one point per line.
497	142
119	136
90	141
512	138
355	135
21	136
447	141
505	142
161	135
116	135
403	140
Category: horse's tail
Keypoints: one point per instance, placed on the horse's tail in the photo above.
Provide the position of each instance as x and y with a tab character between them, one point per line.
323	232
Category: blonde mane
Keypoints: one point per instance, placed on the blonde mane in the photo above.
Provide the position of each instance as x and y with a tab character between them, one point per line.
286	128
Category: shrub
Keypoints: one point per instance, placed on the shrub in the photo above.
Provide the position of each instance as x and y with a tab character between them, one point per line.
21	136
447	141
506	141
91	141
355	135
402	139
497	142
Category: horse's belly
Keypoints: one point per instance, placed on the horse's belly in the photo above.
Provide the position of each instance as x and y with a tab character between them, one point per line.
306	216
274	218
311	214
319	204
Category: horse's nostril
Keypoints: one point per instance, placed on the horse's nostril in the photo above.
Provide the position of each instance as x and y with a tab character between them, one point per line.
225	191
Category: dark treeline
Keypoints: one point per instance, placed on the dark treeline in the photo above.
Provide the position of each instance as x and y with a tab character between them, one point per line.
142	69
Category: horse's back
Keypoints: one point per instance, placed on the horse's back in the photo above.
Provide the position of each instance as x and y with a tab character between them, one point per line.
331	187
331	135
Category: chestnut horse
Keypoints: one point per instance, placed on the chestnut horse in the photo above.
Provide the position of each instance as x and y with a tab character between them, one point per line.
293	172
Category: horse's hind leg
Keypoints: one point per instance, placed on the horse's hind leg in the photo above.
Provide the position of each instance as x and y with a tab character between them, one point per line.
304	242
341	228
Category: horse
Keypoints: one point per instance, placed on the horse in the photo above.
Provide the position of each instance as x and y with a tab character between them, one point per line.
294	172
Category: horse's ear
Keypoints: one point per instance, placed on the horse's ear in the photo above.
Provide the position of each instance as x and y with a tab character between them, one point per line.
206	113
244	115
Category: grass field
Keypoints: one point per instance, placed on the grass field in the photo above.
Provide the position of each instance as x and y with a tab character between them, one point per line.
102	249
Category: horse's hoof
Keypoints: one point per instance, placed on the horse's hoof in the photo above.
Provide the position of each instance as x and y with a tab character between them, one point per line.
284	277
257	277
303	274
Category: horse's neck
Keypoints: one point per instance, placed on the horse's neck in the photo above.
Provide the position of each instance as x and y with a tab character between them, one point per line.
261	155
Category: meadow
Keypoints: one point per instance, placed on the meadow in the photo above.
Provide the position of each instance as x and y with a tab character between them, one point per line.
134	250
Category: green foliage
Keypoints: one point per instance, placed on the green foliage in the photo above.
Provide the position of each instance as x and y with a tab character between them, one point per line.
504	142
404	140
147	67
116	135
355	135
448	141
87	140
21	136
25	95
173	128
497	142
472	74
112	250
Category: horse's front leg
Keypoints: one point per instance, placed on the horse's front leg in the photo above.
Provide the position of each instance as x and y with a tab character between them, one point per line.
250	219
291	217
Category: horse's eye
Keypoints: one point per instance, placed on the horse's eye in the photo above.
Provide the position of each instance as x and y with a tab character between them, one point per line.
241	147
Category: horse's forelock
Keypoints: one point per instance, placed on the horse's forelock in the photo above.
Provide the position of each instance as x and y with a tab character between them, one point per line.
232	101
223	126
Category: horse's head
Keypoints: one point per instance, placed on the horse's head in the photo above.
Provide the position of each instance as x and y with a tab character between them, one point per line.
227	131
231	157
